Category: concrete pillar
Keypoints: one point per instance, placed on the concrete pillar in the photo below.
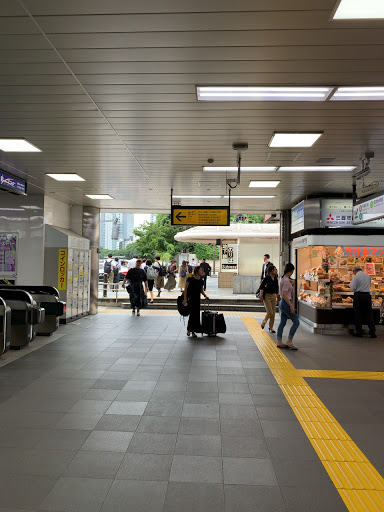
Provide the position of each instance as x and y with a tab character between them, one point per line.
91	230
285	230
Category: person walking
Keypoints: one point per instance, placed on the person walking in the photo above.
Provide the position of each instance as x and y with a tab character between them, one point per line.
136	277
192	291
362	302
171	281
116	268
108	270
161	271
132	261
287	310
269	290
190	269
207	271
183	271
151	276
267	263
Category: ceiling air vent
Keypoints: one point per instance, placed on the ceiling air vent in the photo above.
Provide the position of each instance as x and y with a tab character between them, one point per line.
325	161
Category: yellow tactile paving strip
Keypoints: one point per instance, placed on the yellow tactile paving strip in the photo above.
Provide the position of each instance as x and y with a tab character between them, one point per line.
335	374
359	484
171	312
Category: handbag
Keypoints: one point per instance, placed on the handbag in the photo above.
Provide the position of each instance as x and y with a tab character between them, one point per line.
129	287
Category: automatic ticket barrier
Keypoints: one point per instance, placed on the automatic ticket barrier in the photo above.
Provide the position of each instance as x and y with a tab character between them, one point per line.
46	297
5	326
25	315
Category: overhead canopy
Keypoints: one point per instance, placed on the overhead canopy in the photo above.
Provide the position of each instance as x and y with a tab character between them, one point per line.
209	234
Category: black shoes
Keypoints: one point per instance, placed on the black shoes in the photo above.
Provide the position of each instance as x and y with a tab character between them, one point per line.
357	335
373	335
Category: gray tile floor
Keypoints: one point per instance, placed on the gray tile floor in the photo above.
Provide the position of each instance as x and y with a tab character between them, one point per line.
127	413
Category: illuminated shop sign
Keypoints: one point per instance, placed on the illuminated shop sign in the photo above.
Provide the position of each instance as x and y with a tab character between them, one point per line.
12	184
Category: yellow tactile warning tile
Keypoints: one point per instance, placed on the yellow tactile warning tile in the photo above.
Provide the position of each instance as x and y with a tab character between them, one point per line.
359	484
336	374
363	501
171	312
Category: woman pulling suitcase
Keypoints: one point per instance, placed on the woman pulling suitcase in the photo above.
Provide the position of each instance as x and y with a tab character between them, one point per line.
192	291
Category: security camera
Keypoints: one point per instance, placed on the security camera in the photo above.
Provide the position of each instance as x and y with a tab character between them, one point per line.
210	160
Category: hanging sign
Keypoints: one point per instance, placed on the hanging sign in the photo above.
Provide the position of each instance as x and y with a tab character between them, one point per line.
297	217
200	216
62	270
229	258
369	210
12	184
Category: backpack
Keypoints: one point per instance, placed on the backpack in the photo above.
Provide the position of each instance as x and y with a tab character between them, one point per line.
183	272
151	273
108	267
162	270
115	270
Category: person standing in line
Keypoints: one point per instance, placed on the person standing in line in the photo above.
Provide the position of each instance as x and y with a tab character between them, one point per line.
136	277
183	271
161	271
287	309
151	276
192	291
269	290
171	282
116	268
267	263
207	272
362	302
109	270
132	261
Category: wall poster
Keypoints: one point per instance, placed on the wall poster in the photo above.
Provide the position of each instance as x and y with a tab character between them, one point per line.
62	270
229	258
8	253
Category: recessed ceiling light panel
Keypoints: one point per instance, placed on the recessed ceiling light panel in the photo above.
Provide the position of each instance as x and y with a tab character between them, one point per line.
264	184
99	196
65	177
250	93
319	168
250	197
243	169
359	93
293	140
18	146
358	9
196	197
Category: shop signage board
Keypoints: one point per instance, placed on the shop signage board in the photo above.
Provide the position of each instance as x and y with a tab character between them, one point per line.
229	258
8	253
300	242
297	217
336	212
359	252
12	184
62	270
369	210
200	216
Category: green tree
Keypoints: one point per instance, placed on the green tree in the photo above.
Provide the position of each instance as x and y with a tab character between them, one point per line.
250	219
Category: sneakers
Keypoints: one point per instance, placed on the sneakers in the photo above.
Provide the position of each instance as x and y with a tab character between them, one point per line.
133	312
138	312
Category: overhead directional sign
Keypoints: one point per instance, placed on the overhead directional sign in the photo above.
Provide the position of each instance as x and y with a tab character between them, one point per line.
200	216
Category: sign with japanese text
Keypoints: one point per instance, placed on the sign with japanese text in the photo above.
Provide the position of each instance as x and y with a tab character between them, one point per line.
200	216
62	270
12	184
229	258
297	217
336	212
363	252
369	210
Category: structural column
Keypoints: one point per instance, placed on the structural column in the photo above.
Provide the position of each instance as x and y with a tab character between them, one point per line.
91	230
285	229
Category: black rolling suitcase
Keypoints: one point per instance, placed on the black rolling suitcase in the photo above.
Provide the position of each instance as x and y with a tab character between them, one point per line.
212	322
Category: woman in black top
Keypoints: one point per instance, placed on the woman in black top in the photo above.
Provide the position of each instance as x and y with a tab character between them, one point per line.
192	291
269	290
136	277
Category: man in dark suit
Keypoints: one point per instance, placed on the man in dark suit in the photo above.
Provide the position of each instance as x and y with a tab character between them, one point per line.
207	272
267	263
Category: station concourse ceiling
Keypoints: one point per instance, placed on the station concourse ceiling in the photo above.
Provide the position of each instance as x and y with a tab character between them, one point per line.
107	89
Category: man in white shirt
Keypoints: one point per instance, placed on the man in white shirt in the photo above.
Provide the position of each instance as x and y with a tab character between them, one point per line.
362	302
267	263
132	262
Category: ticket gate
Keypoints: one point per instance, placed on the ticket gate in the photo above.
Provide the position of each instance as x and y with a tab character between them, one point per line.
25	315
46	297
5	326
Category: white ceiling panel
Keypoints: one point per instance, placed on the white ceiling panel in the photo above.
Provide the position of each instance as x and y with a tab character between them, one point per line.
108	89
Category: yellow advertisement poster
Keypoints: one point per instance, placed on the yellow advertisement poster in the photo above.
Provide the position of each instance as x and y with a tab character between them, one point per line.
62	270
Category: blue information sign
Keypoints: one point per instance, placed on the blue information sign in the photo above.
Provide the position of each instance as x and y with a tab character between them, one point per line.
12	184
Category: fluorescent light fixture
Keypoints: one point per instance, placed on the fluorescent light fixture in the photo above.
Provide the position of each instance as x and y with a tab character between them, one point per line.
250	93
319	168
65	177
358	93
18	145
12	209
197	197
293	140
264	184
359	9
243	169
99	196
250	197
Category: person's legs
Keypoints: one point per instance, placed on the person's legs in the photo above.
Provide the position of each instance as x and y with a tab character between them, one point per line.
294	327
283	321
357	309
368	314
267	304
110	280
205	282
273	311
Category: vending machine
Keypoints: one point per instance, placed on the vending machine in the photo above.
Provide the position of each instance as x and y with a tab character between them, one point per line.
67	267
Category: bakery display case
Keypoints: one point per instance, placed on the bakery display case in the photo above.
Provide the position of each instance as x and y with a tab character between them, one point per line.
323	276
